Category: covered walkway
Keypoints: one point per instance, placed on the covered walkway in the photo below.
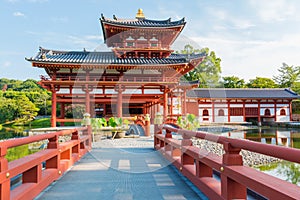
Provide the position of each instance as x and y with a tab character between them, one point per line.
122	169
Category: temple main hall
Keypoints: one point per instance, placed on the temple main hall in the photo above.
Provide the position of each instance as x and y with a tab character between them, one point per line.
140	75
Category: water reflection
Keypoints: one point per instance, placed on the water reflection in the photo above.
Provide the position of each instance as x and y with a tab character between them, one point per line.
282	137
20	151
284	170
6	133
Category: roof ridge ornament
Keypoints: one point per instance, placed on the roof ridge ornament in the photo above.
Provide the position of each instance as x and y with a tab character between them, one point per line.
140	15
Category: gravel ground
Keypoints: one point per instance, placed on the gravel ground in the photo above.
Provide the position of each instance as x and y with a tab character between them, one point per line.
141	142
249	158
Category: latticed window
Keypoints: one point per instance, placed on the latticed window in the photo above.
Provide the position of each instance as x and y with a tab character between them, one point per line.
282	112
221	112
251	111
236	111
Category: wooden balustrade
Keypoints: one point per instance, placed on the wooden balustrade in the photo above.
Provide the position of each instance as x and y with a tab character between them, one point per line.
40	169
235	178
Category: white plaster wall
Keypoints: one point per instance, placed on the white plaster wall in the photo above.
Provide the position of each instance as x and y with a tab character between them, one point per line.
204	105
220	105
251	105
287	111
267	105
282	105
283	118
236	119
217	111
221	119
262	111
209	113
236	105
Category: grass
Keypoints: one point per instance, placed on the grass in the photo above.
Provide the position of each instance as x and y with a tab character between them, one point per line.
37	123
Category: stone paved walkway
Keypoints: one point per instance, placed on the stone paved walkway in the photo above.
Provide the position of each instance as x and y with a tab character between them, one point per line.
122	169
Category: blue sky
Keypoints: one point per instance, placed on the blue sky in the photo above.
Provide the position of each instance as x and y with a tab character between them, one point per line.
252	37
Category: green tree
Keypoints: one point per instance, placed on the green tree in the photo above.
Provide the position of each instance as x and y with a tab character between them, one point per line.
29	86
208	71
8	109
296	87
26	110
233	82
260	82
288	75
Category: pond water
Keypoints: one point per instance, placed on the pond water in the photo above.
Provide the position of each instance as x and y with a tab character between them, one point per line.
20	151
6	133
283	137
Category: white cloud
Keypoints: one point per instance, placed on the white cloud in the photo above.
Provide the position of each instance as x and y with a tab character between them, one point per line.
18	14
248	59
60	19
90	42
94	37
225	20
7	64
275	10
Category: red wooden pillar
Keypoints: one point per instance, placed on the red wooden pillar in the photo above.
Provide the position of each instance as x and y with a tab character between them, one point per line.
62	113
291	111
53	114
228	108
165	105
171	110
184	103
87	101
275	110
87	92
244	111
259	119
213	110
119	103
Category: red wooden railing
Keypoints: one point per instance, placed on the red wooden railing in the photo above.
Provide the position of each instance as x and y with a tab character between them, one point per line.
58	157
198	165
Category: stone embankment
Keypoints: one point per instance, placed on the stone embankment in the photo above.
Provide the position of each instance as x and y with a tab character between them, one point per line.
249	158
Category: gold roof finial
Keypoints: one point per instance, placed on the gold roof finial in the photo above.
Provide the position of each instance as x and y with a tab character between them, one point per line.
140	14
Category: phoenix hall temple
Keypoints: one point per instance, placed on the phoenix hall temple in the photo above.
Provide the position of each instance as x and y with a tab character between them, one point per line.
141	75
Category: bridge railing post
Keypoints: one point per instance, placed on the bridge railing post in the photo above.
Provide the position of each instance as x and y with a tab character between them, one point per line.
76	148
55	161
168	135
231	189
185	158
4	180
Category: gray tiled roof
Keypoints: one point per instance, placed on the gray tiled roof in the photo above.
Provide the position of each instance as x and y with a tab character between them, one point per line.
84	57
242	93
144	22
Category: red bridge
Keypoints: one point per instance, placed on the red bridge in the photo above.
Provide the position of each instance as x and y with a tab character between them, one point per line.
40	169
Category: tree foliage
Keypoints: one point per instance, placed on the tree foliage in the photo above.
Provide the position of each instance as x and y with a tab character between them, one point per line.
208	71
288	75
260	82
233	82
22	100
